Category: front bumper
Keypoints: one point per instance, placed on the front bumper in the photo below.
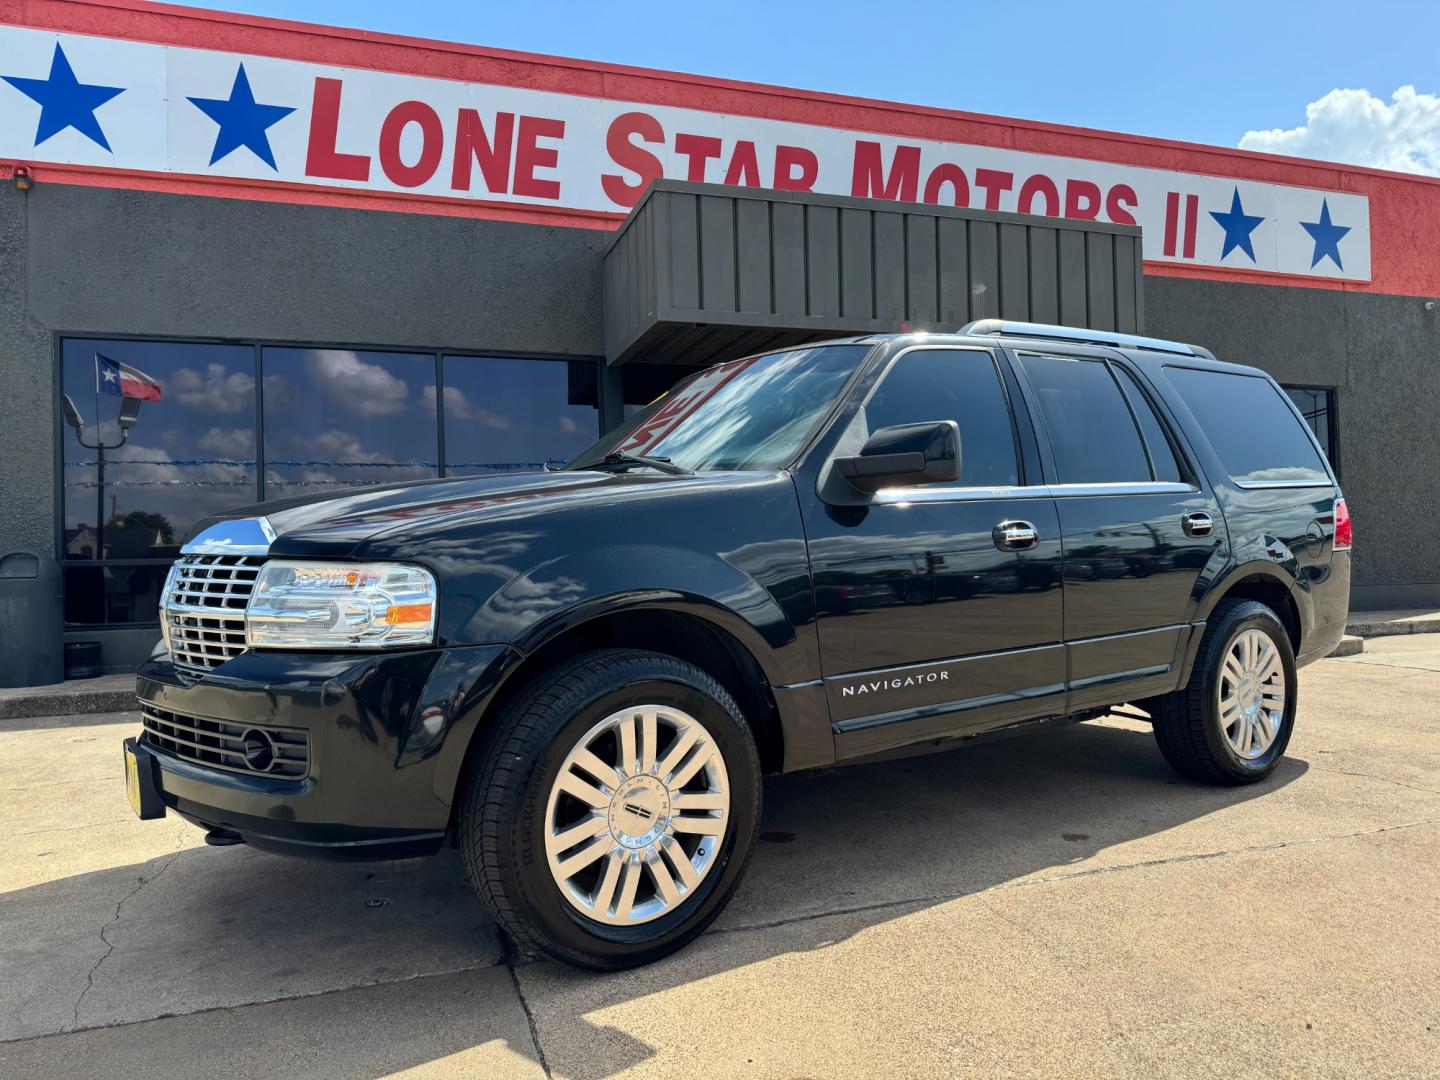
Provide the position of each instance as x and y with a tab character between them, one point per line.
387	736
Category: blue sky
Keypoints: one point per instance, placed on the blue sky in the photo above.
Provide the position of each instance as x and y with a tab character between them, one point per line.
1205	72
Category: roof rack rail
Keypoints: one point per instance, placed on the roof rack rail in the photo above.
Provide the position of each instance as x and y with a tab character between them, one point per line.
1007	328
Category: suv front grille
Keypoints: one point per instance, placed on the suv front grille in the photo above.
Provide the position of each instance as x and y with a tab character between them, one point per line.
204	608
254	749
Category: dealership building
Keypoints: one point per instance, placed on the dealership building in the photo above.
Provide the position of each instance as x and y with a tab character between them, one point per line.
313	257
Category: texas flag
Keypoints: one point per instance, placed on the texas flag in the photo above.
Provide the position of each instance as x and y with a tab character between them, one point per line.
122	380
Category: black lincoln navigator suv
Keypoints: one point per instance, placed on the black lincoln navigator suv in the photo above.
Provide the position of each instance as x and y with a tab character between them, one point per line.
812	556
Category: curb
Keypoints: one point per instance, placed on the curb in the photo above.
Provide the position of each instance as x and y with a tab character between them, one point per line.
1392	628
1350	645
67	703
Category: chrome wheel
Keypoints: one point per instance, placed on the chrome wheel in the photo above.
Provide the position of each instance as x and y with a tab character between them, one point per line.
1250	696
636	815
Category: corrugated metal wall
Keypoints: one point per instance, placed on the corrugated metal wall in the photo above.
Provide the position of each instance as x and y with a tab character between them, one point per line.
700	271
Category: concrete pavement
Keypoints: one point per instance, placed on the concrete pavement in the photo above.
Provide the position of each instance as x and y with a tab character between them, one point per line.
1055	905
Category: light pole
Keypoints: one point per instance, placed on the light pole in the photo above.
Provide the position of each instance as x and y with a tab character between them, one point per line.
129	414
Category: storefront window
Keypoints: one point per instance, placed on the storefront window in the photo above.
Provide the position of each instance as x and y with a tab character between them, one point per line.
505	415
157	436
1317	405
132	491
161	435
347	417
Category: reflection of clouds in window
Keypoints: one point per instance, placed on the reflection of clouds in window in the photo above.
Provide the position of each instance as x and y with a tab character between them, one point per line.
459	407
279	392
342	446
224	442
759	417
1282	473
340	418
217	389
507	414
354	386
190	455
148	478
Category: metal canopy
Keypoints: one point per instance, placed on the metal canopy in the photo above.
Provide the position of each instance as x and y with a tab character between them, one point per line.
702	272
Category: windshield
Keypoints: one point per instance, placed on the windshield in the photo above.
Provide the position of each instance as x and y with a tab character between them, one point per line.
755	413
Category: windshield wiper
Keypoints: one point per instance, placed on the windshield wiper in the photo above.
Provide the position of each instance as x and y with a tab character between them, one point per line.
662	464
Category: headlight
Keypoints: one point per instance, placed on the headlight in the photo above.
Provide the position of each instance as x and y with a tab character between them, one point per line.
299	605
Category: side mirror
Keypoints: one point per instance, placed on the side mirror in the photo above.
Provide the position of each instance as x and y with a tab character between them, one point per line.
905	455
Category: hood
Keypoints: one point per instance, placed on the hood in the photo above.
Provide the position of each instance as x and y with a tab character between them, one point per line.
335	524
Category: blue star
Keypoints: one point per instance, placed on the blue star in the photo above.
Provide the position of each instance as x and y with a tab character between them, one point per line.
1238	226
65	102
243	122
1327	236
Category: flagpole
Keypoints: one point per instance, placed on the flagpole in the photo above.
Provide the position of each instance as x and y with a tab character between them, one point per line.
99	471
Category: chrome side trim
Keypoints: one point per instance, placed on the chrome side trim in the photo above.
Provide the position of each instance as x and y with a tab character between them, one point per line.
943	708
242	536
943	493
1119	676
1148	487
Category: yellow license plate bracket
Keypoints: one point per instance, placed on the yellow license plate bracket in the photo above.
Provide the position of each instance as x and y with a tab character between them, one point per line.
132	780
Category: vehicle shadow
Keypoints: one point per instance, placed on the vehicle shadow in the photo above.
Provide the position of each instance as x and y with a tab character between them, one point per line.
841	850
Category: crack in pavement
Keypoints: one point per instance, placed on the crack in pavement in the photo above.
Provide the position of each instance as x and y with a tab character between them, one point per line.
279	999
1372	776
918	901
530	1019
110	945
1094	871
70	828
1392	666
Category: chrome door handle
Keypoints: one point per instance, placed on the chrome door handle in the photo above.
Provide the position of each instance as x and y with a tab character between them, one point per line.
1015	536
1198	523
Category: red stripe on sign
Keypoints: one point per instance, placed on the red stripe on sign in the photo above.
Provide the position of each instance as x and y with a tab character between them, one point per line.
1172	211
1192	213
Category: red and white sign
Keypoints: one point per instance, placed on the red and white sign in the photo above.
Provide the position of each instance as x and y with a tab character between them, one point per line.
194	112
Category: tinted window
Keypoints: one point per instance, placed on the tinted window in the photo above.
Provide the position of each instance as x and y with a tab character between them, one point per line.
1162	455
505	414
189	454
1250	425
343	417
1092	433
953	384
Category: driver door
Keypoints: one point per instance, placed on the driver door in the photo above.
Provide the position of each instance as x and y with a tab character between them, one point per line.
939	606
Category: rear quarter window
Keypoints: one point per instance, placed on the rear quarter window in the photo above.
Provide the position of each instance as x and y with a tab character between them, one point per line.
1255	433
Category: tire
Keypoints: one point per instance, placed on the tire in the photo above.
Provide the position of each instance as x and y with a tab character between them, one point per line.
521	797
1188	722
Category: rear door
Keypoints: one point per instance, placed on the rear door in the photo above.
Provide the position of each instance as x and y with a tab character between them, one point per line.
1275	488
1138	522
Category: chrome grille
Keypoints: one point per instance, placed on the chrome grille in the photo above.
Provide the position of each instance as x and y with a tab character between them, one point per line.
279	752
204	608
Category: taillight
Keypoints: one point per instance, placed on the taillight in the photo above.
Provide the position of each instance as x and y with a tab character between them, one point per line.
1342	526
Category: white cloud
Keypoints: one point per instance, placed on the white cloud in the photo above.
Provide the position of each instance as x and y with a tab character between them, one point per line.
356	387
228	442
1357	127
568	425
217	389
340	446
460	407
